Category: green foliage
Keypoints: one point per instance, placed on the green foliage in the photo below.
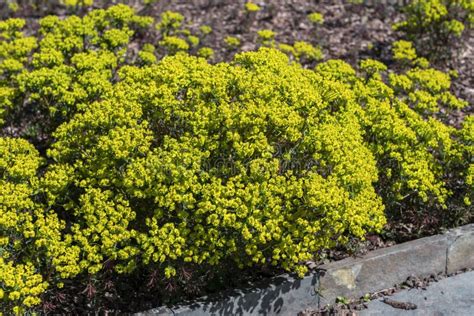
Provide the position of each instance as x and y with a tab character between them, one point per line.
149	165
205	29
252	7
170	22
71	64
193	40
403	50
232	41
427	89
434	25
306	51
404	133
266	34
204	210
175	37
342	300
14	51
30	235
302	52
147	54
266	37
174	44
406	57
206	52
74	3
287	49
367	297
316	18
466	135
430	90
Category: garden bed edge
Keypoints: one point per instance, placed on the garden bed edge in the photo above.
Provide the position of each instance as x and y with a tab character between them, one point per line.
351	278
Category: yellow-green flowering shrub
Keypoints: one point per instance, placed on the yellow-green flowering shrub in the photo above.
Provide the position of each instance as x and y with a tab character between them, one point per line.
252	7
316	18
266	37
74	3
170	22
425	89
302	51
140	164
193	40
403	50
205	29
31	240
174	44
14	51
232	197
176	37
70	63
467	138
147	54
434	24
412	148
232	41
206	52
286	48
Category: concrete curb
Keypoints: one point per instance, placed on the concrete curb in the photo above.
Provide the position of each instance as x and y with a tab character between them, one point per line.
351	277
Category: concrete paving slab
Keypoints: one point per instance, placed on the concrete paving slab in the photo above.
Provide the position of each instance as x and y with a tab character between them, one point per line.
383	268
449	296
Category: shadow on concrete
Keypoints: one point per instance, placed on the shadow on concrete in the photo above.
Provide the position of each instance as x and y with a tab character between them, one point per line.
283	294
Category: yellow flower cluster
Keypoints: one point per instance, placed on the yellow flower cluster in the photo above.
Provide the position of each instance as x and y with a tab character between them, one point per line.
23	285
403	50
174	44
426	89
30	235
252	7
14	51
232	41
73	3
170	21
432	24
159	163
316	18
302	51
177	37
467	138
